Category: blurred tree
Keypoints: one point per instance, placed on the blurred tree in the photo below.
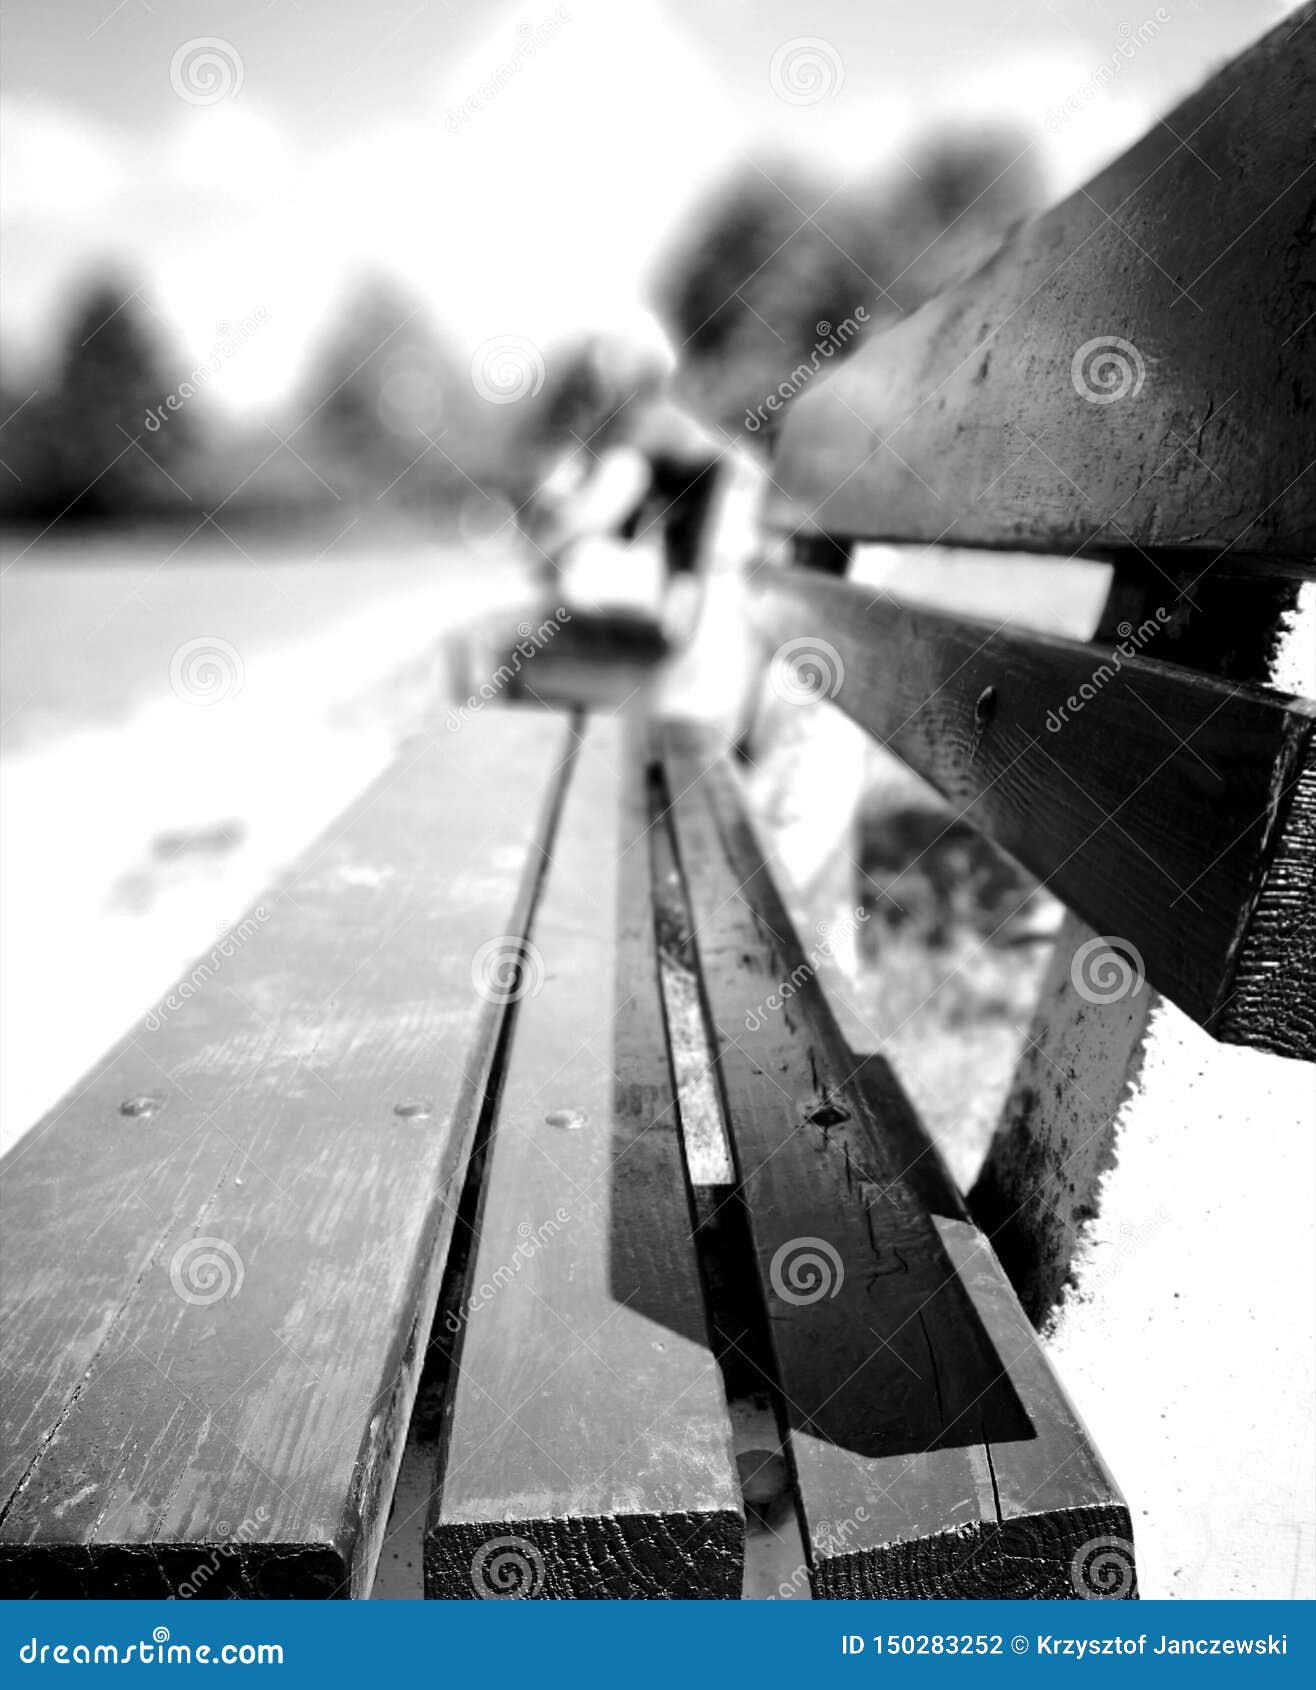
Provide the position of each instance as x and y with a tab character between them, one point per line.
96	439
379	409
965	189
783	269
772	263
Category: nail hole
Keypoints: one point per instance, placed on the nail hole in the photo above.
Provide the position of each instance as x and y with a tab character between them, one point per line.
414	1109
985	708
140	1108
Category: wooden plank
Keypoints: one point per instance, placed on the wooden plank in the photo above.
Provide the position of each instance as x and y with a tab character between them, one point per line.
1132	369
588	1449
1165	807
910	1381
221	1253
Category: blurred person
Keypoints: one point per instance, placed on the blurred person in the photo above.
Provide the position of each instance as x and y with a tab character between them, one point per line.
610	460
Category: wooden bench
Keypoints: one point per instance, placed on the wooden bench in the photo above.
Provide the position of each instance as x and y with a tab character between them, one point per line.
226	1248
437	1076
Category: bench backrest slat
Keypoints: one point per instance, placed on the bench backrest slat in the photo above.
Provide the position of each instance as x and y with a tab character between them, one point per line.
1161	805
1135	368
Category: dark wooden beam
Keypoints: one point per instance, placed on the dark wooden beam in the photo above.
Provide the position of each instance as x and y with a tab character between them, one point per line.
1133	369
1169	810
934	1453
222	1250
587	1451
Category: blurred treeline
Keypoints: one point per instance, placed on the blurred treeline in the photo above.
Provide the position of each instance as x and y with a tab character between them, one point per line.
779	259
119	425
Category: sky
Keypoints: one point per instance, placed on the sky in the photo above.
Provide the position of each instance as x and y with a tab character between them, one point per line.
516	166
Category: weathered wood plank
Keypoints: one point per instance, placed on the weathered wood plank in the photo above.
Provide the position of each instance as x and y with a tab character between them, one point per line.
588	1449
221	1253
1165	807
1134	368
935	1454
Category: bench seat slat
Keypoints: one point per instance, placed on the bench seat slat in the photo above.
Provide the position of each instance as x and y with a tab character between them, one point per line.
215	1309
587	1451
1131	370
902	1381
1151	799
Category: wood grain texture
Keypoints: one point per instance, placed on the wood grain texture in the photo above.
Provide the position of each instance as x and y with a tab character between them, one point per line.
215	1308
588	1450
934	1453
1189	266
1166	808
